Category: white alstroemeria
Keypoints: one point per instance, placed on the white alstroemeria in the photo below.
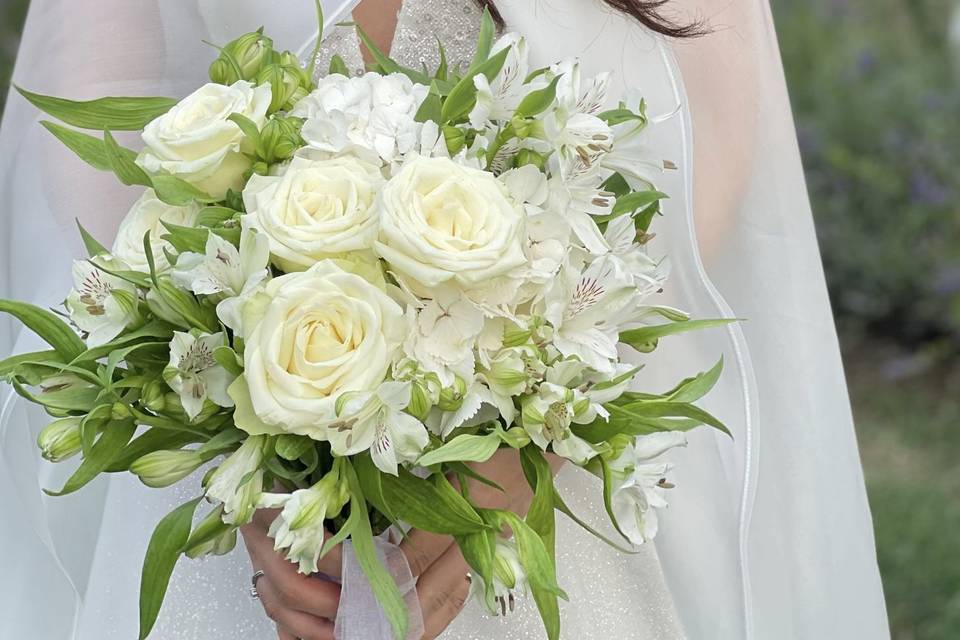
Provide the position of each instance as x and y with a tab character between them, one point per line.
471	405
238	481
586	306
299	530
576	191
648	274
641	483
194	374
573	127
512	372
509	577
100	304
632	156
377	421
547	417
498	99
224	271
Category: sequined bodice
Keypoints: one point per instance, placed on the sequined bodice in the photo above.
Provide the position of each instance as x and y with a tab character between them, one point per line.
419	25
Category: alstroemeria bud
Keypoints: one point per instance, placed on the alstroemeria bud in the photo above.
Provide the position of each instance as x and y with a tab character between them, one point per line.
119	411
60	439
179	307
284	81
153	396
516	438
222	72
163	468
213	536
419	406
452	397
455	138
529	156
251	51
279	139
291	447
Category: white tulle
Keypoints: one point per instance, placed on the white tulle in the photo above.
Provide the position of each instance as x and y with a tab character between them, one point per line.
768	535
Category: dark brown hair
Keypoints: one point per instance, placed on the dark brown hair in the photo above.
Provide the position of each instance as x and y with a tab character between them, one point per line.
646	12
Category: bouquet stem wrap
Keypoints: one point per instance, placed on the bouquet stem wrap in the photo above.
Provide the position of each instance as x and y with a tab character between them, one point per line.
360	616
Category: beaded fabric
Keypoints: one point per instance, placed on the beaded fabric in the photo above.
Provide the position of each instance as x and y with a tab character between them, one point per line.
419	25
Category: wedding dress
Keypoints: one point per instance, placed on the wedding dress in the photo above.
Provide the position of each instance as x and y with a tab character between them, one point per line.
768	535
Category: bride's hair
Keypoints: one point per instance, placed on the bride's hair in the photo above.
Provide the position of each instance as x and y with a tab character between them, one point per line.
647	12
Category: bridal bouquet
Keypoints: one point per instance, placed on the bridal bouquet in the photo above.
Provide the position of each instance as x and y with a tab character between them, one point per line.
334	295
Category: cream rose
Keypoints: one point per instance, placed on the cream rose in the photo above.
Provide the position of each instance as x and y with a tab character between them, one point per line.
313	336
149	213
441	222
195	140
316	209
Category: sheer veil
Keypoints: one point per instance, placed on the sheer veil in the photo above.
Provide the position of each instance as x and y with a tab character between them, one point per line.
769	534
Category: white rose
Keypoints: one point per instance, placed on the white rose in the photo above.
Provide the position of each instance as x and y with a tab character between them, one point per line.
316	209
441	222
149	213
312	336
195	140
373	111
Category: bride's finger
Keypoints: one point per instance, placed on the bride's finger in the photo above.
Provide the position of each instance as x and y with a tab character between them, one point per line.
423	548
308	594
283	634
296	623
443	591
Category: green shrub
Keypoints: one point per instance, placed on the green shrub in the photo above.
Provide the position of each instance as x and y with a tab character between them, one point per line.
877	101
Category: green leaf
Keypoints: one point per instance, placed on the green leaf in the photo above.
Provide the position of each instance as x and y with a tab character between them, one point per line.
93	247
425	506
608	496
48	326
88	148
536	102
443	67
564	509
126	170
30	367
117	113
337	65
645	339
153	329
214	216
636	200
692	389
228	359
112	442
540	515
388	64
463	448
167	543
464	94
247	126
430	107
541	572
645	417
381	582
484	39
479	550
177	192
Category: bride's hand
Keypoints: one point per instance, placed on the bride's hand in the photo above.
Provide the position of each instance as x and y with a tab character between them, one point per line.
303	607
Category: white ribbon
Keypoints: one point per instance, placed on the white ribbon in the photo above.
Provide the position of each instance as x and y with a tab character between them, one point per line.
360	616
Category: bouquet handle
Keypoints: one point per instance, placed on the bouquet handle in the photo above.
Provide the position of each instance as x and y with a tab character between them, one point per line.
360	616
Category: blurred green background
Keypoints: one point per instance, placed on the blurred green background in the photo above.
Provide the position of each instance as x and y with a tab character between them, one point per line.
876	92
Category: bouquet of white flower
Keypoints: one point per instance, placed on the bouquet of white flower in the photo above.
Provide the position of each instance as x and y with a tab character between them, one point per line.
336	294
